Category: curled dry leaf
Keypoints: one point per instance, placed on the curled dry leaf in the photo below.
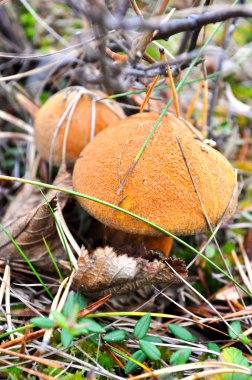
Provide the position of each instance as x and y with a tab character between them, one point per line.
28	219
105	271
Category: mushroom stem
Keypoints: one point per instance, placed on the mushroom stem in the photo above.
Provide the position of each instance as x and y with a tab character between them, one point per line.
117	239
163	243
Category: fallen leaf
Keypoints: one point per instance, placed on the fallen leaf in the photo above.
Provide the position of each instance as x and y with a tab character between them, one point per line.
233	356
104	271
28	219
228	293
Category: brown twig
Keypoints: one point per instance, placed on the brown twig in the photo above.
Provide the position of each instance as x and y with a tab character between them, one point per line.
168	29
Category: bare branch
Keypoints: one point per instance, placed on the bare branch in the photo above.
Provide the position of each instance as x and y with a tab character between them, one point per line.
168	29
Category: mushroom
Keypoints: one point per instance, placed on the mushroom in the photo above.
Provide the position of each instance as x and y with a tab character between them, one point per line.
176	177
69	120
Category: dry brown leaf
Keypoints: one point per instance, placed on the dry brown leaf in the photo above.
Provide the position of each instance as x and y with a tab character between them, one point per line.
229	292
28	219
104	271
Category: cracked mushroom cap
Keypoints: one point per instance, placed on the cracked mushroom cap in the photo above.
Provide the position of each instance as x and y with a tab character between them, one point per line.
160	187
47	122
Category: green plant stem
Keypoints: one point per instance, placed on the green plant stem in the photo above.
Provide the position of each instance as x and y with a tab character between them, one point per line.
53	259
88	197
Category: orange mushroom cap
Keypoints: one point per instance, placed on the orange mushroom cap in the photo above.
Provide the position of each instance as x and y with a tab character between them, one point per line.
159	188
77	104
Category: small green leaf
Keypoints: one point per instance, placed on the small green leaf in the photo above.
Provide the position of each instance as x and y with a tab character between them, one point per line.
244	339
142	326
213	347
74	315
130	366
59	318
66	338
80	300
91	325
152	339
236	326
69	304
151	351
182	333
43	323
115	336
180	356
78	330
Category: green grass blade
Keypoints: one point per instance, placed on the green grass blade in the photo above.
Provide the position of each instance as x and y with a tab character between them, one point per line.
53	259
27	260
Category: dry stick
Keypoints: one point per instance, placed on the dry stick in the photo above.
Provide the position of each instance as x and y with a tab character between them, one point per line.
241	271
7	300
32	71
16	341
135	8
16	135
193	366
245	258
148	93
42	361
140	44
49	332
174	92
67	232
64	241
196	321
4	283
28	105
193	102
28	370
214	372
179	25
175	303
156	79
16	121
38	56
115	56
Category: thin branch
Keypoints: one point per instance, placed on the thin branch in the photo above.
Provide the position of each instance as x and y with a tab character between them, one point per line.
168	29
